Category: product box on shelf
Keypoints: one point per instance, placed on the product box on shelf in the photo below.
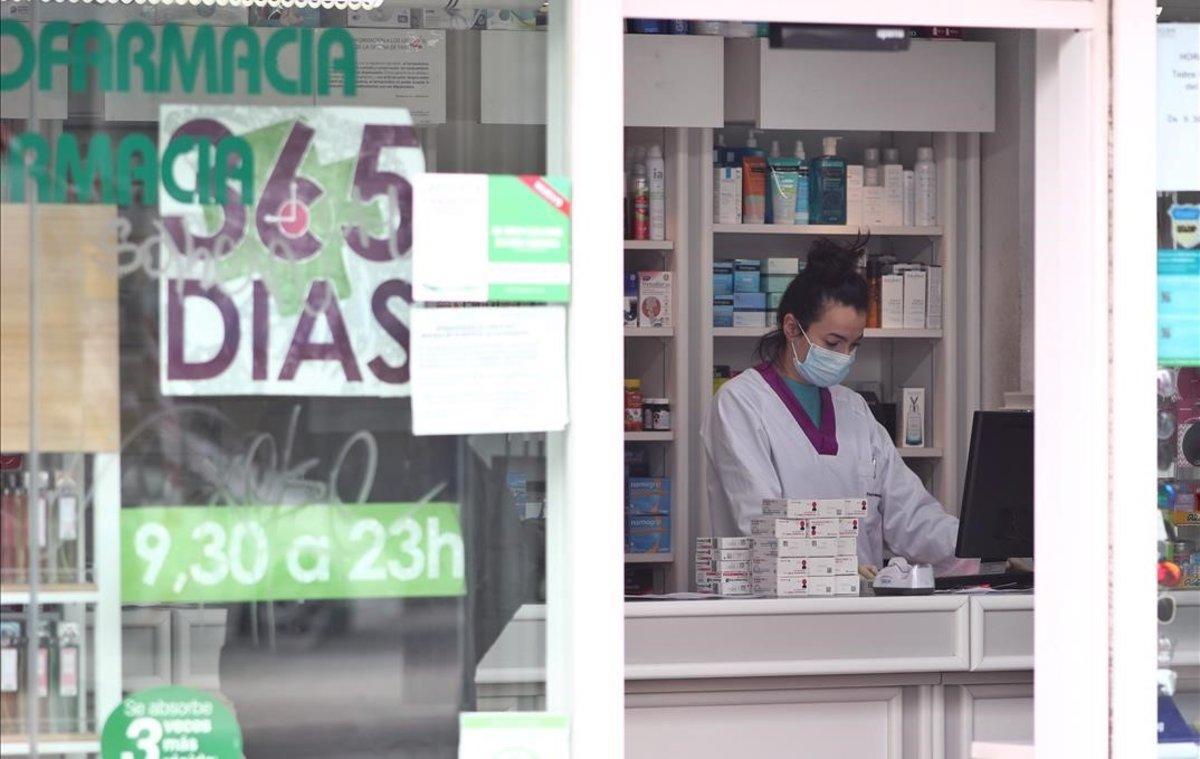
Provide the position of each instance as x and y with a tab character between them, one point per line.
723	311
822	585
893	195
743	543
915	282
648	495
749	302
774	301
727	195
785	547
747	275
873	206
796	508
749	318
891	301
782	586
848	527
823	528
933	298
854	195
844	564
732	587
654	299
722	278
846	547
729	568
789	267
631	299
776	283
647	534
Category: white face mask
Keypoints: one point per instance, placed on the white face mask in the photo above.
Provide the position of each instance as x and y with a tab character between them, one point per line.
822	367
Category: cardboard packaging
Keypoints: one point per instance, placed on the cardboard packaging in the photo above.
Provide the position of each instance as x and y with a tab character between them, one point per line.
654	299
749	318
854	195
785	547
648	495
933	298
823	528
821	508
723	311
727	568
742	543
847	585
783	587
891	301
915	283
822	586
846	547
749	301
727	195
647	534
872	206
855	507
848	527
893	195
776	283
631	299
747	275
730	587
778	527
845	565
782	266
722	278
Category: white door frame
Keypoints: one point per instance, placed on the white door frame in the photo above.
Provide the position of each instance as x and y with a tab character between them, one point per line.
1075	377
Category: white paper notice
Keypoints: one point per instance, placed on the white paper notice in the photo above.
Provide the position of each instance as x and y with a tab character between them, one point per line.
450	237
397	69
488	369
1178	107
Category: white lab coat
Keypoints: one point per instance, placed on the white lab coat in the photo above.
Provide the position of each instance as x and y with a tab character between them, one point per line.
757	449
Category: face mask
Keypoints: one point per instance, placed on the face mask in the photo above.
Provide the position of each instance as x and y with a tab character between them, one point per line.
822	367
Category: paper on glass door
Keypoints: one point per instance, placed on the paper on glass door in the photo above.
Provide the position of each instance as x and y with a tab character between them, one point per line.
527	735
488	370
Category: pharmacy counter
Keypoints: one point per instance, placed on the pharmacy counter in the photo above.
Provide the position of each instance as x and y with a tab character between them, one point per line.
863	677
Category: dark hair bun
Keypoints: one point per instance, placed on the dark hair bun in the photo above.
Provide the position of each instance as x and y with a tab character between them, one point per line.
831	262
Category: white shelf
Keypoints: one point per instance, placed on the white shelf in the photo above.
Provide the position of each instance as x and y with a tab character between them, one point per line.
824	229
919	453
649	332
18	593
649	558
649	245
18	745
650	436
928	334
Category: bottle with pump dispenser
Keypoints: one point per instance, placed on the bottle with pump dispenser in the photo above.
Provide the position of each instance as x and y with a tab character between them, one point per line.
754	182
827	185
925	191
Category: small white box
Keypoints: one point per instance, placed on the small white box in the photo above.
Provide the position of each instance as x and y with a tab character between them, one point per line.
823	528
848	527
784	507
737	565
783	547
731	554
893	195
705	576
912	416
845	565
774	566
784	587
846	547
711	543
891	301
727	195
910	198
818	566
933	298
855	507
654	299
847	585
819	547
749	318
790	266
741	574
915	283
733	587
854	195
777	527
872	206
822	586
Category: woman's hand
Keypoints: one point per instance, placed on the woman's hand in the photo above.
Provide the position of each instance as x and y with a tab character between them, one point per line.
868	571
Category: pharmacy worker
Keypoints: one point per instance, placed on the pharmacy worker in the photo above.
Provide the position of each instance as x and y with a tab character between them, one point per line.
788	428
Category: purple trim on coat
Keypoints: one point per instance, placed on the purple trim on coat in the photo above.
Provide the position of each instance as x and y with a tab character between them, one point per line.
824	439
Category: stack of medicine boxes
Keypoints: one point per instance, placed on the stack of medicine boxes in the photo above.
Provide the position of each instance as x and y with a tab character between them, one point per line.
797	548
723	566
648	515
807	547
747	291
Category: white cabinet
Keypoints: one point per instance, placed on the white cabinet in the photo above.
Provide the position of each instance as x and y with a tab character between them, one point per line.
674	81
934	86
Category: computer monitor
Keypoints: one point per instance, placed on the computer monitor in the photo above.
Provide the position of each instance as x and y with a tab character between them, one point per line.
996	522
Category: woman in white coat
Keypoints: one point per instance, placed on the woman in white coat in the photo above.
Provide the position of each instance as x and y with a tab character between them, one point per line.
787	428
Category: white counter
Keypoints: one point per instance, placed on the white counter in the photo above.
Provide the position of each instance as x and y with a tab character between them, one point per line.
863	677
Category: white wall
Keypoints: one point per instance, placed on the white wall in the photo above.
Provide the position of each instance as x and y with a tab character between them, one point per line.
1006	195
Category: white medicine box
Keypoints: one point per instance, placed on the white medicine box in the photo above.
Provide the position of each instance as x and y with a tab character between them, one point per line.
654	299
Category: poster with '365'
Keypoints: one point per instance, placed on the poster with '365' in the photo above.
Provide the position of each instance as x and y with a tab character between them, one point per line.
289	271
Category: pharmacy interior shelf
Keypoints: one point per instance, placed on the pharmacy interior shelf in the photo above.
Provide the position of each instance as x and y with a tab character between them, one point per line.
649	558
649	332
18	745
649	245
825	229
650	436
919	453
16	594
872	332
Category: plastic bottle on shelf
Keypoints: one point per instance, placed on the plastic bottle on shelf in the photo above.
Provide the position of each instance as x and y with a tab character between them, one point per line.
925	191
633	405
827	185
656	175
872	171
801	185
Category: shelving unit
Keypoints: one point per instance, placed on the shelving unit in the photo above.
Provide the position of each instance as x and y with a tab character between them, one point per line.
649	245
650	558
17	594
18	745
889	358
650	436
650	331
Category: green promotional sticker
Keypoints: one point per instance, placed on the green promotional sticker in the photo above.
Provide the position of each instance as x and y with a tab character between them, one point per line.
222	554
171	723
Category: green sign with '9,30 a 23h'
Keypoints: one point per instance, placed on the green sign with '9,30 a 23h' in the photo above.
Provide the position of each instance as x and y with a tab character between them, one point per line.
223	554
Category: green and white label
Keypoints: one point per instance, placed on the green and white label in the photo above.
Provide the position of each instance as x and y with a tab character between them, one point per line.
171	723
202	554
513	735
480	238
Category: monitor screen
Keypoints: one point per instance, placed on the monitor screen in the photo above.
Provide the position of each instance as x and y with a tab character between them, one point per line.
997	509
